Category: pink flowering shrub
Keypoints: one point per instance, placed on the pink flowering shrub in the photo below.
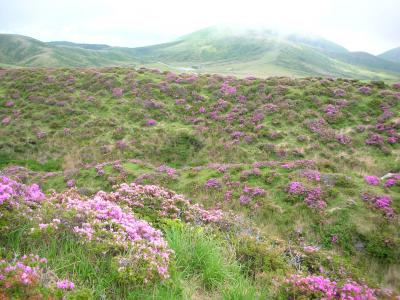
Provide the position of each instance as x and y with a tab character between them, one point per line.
312	175
364	90
151	122
164	203
319	287
6	121
100	220
382	203
372	180
394	179
14	194
29	276
117	92
168	170
65	285
313	197
296	188
212	183
21	272
9	104
227	89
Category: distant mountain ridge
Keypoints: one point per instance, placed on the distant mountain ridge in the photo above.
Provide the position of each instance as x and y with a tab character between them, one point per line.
392	55
211	50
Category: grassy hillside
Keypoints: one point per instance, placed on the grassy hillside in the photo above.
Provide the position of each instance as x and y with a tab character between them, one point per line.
286	188
27	52
392	55
220	50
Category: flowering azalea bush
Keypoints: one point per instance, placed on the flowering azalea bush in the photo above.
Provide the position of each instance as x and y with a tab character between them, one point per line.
164	203
372	180
382	203
313	197
103	222
13	194
319	287
28	277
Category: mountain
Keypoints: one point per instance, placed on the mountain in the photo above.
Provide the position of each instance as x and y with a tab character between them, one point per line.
264	52
77	45
27	52
392	55
218	49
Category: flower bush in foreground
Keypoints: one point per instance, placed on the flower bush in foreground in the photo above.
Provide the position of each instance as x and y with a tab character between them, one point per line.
101	221
98	220
27	276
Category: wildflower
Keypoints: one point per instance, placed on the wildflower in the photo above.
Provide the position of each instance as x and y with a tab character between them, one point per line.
212	183
334	239
65	285
372	180
117	92
9	104
383	201
244	199
70	183
364	90
6	121
151	122
296	187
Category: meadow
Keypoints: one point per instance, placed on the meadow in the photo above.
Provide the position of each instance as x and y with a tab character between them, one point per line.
123	183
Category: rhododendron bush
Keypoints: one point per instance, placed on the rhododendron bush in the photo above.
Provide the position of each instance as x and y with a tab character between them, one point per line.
98	220
320	287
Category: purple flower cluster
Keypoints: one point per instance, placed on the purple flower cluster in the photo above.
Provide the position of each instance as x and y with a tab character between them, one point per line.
312	196
382	203
24	271
100	219
312	175
392	180
227	89
320	287
117	92
164	202
13	193
296	188
168	170
364	90
65	285
6	121
372	180
151	122
330	110
212	183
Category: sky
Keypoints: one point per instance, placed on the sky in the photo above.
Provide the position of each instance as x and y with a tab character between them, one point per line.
358	25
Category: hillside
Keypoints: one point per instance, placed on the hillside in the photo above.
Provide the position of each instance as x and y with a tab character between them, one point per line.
392	55
27	52
266	53
220	50
128	183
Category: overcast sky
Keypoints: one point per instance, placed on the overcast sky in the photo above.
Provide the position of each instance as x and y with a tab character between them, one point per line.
358	25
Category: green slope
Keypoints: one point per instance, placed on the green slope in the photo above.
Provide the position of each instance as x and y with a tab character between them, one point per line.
221	50
239	152
392	55
24	51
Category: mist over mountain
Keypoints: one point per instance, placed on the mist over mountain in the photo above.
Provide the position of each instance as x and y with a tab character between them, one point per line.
218	49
